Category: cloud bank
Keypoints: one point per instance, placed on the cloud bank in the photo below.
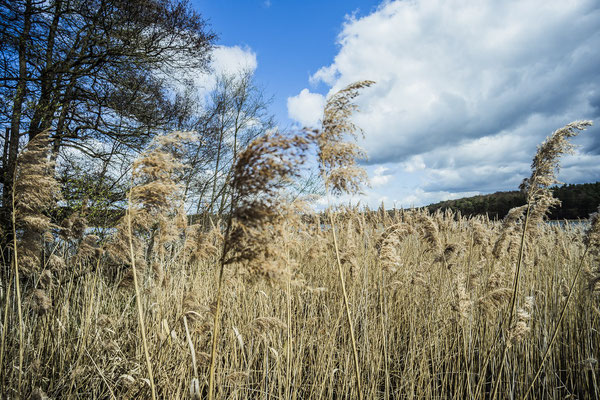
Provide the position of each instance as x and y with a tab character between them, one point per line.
465	92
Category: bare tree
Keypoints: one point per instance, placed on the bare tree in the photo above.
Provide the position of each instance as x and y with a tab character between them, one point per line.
88	70
235	113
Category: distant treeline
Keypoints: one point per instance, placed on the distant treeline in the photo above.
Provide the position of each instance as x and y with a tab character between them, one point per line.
578	202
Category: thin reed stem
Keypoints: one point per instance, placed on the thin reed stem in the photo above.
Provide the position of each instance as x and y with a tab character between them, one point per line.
17	286
4	332
346	305
513	300
139	301
194	386
383	315
191	344
560	318
213	350
288	372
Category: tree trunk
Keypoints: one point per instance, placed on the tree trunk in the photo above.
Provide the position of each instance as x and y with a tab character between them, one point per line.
46	105
15	122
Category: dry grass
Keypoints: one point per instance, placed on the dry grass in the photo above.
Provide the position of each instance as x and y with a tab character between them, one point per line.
422	332
441	306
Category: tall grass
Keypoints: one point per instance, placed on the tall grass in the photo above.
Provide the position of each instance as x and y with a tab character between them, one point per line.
86	345
442	306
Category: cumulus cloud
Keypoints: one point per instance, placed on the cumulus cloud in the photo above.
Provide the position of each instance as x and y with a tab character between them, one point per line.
306	108
466	90
381	178
230	60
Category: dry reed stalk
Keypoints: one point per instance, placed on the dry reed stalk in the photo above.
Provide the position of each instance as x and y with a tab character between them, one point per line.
259	175
544	168
33	168
591	242
383	317
195	384
18	292
339	170
149	200
288	304
138	302
288	370
4	333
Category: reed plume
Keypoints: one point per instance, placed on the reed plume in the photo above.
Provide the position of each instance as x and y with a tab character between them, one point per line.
481	234
522	324
508	230
340	172
29	204
156	202
337	155
430	232
592	242
544	167
260	174
157	196
257	209
34	170
388	245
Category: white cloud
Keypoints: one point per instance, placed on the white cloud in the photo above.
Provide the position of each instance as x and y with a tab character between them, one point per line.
380	178
325	74
306	108
230	60
466	90
414	163
226	60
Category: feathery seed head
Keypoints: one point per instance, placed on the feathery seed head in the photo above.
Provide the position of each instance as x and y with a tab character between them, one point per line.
41	301
522	325
546	161
389	244
260	173
34	169
337	157
544	167
592	241
430	231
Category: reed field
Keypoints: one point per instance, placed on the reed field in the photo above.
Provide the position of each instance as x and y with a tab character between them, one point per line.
273	300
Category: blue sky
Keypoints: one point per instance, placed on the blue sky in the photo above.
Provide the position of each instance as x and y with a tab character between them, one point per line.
291	39
465	90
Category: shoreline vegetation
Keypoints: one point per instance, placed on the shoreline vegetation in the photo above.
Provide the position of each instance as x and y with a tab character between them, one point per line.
158	241
268	302
577	202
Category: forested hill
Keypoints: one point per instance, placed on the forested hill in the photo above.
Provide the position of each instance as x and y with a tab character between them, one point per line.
578	201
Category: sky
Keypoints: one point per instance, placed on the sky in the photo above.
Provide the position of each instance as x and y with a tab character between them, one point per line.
465	90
